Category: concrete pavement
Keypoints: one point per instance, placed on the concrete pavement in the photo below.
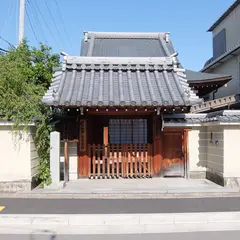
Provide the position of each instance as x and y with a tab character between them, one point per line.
118	206
120	223
139	186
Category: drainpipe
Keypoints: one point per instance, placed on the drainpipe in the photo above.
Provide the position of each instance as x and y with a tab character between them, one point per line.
215	91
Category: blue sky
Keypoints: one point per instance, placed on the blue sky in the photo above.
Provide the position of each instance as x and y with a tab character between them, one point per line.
186	20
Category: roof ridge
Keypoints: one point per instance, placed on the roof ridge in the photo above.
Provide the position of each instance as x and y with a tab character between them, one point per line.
224	15
120	60
88	34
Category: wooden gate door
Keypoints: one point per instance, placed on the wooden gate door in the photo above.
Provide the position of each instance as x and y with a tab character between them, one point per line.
173	162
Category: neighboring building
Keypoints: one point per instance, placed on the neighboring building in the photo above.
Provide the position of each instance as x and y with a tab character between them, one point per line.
226	50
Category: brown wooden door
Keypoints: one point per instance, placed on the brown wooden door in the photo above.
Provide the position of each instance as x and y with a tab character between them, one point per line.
173	154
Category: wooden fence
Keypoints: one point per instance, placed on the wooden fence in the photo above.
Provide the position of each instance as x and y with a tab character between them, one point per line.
120	160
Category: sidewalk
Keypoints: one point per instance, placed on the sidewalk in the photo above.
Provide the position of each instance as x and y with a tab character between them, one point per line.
120	223
131	188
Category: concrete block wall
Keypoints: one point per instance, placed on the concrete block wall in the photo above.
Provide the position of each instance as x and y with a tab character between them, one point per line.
33	153
215	151
214	154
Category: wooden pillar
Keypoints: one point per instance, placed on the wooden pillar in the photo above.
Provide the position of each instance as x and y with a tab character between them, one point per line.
83	160
66	162
185	152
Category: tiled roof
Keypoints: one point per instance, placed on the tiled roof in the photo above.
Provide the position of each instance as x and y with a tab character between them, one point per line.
200	76
102	44
224	15
225	116
99	81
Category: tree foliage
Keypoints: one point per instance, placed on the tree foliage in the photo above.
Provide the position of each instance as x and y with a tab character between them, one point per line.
25	75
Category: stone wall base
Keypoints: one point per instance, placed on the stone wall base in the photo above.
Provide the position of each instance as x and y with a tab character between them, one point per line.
214	177
230	182
15	186
197	175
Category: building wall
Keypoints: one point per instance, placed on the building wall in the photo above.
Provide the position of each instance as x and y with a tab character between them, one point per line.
14	155
73	160
214	154
215	149
231	152
197	152
33	153
230	67
231	24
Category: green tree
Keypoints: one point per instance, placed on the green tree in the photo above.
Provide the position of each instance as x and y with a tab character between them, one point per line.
25	75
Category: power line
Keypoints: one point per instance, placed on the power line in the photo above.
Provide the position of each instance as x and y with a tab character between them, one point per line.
9	16
46	24
35	16
65	29
34	33
53	21
10	44
3	50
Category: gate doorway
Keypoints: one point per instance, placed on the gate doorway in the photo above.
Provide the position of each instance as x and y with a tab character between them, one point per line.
174	153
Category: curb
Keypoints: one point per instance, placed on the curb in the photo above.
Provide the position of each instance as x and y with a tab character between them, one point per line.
117	195
121	223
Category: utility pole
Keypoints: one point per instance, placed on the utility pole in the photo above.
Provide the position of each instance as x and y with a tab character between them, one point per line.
21	21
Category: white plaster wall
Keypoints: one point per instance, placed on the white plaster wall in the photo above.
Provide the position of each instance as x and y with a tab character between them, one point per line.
197	149
15	159
73	160
231	67
231	23
215	149
231	151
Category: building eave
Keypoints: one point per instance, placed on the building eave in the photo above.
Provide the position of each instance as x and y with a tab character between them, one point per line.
224	15
223	58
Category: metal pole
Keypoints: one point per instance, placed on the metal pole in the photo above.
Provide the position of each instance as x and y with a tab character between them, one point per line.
21	21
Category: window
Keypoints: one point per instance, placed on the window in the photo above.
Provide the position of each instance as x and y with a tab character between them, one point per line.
219	44
127	131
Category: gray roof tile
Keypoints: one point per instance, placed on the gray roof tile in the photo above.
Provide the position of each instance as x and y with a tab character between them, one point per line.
198	76
228	116
153	82
126	45
122	69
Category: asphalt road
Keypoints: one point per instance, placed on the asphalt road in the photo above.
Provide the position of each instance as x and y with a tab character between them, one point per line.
115	206
231	235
